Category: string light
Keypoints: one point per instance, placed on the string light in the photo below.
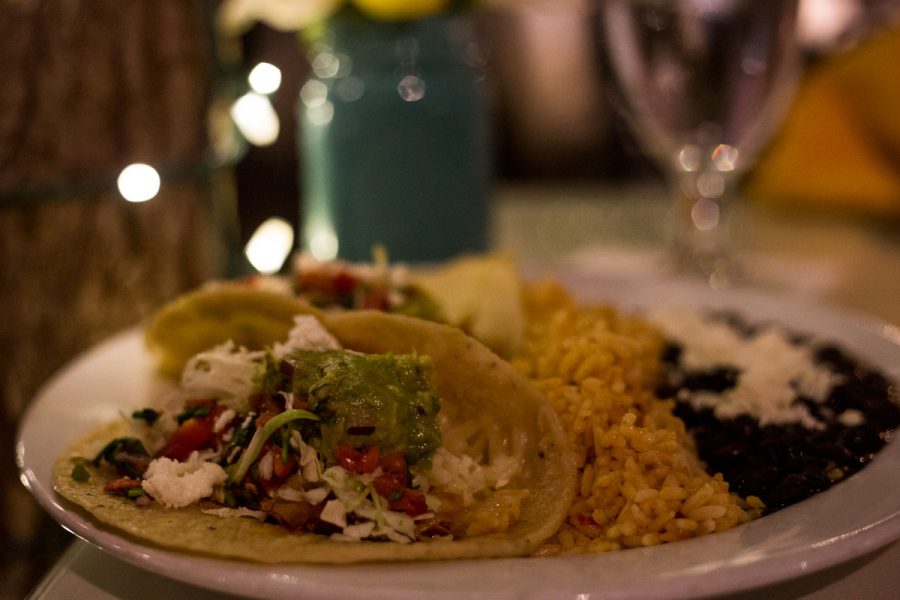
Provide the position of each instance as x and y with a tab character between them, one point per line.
270	245
138	182
265	78
323	242
256	118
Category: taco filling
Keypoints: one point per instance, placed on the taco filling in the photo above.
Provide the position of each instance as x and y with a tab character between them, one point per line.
378	285
322	442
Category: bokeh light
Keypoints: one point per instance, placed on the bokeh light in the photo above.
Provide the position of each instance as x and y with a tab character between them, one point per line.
265	78
138	182
256	118
270	245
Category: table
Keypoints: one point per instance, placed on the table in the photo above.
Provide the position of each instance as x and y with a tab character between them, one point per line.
85	572
848	263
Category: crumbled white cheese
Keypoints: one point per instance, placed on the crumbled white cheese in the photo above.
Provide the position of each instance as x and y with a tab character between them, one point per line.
178	484
306	334
772	372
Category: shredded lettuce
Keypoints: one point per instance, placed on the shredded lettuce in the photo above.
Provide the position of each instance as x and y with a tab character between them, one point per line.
225	372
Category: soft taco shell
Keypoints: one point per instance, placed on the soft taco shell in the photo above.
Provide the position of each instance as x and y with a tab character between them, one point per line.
488	405
221	311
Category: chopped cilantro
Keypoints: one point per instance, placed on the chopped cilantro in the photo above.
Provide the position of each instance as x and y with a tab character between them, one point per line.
80	473
200	410
126	454
241	435
146	414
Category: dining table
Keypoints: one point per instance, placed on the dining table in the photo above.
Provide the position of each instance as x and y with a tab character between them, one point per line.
617	231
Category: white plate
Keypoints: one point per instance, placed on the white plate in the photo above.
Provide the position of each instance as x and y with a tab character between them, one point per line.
854	518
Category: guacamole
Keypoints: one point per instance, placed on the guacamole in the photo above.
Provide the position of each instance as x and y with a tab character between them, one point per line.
366	400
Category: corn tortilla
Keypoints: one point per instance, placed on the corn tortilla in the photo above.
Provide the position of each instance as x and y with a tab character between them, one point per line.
487	405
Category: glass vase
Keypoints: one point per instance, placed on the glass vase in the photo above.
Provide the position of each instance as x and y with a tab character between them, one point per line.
394	141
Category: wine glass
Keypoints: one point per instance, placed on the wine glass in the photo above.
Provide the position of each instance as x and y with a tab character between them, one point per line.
704	84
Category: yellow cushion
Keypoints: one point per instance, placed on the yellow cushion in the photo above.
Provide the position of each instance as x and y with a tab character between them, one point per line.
840	144
397	10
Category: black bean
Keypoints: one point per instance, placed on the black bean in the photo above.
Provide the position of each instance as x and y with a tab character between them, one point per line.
861	440
671	353
717	380
783	464
790	490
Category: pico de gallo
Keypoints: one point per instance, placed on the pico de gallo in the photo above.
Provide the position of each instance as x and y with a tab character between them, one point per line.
377	286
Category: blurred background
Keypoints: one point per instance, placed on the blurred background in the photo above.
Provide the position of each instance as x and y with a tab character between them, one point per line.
206	125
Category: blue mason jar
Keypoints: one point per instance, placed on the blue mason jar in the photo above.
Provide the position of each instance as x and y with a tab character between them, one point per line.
394	140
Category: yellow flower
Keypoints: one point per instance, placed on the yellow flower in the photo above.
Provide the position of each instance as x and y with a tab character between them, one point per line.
399	10
288	15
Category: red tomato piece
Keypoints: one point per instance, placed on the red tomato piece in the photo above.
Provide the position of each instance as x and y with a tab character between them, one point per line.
388	487
356	461
332	284
314	280
393	465
400	497
377	298
344	282
194	434
391	485
412	503
280	468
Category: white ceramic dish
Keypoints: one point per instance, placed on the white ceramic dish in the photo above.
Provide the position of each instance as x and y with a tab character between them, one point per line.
854	518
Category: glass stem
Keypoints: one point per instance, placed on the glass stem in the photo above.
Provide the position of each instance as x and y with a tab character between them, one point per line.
702	237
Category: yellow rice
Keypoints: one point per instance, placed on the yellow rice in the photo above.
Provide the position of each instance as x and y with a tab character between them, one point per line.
640	481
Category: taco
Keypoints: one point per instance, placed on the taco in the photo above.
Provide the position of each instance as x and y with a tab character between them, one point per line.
364	437
480	294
